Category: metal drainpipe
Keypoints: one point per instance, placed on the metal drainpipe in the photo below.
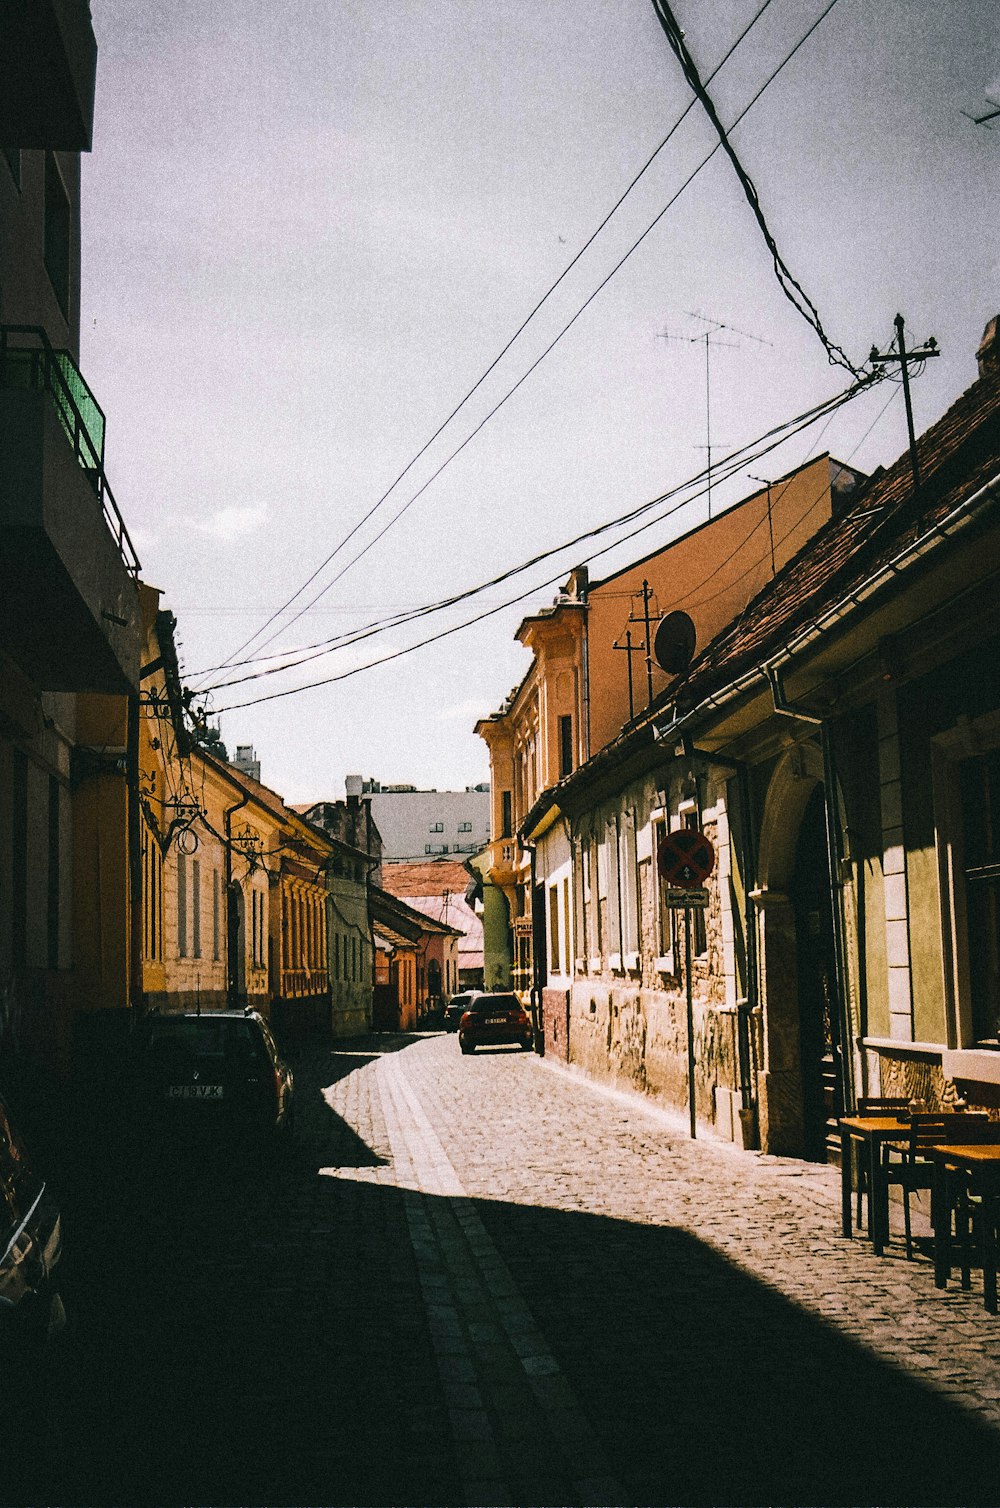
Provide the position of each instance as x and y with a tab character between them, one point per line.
749	866
232	973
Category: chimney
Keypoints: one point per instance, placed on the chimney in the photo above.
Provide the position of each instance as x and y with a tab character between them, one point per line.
353	786
988	354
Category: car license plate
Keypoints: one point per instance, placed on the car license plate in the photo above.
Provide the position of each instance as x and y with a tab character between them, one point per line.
496	1020
194	1092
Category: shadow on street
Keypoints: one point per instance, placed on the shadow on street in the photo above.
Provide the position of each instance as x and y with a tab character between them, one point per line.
256	1334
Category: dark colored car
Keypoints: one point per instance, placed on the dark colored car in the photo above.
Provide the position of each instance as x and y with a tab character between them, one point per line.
492	1020
456	1009
30	1245
215	1070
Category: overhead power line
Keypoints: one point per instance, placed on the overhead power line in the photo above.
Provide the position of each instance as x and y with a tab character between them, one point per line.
455	411
790	286
530	591
736	461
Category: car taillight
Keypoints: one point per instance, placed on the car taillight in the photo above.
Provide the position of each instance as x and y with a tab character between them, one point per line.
466	1019
277	1087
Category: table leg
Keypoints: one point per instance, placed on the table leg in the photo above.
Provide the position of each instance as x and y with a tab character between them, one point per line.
988	1245
878	1198
846	1155
941	1221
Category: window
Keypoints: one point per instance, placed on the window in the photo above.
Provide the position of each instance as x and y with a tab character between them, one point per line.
182	922
57	233
435	848
436	827
507	816
465	827
699	932
630	911
664	915
612	868
196	907
565	746
554	955
216	914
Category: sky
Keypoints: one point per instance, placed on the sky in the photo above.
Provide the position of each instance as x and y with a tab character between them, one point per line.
309	230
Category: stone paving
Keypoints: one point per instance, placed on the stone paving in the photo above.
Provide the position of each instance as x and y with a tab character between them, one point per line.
483	1280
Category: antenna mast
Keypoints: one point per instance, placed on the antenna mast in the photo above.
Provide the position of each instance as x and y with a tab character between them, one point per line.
708	337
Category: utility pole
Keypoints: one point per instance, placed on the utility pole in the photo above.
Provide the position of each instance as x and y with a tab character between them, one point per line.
770	520
905	357
630	649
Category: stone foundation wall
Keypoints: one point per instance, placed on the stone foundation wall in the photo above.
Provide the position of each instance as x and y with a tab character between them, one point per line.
637	1038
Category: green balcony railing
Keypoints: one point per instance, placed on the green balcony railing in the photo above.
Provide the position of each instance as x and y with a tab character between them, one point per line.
29	362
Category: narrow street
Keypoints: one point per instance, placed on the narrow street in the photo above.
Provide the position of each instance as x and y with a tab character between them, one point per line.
481	1281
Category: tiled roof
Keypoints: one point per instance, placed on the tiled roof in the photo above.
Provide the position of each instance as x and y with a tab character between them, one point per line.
958	455
420	878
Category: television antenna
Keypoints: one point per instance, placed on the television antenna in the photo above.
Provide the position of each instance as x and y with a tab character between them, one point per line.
709	338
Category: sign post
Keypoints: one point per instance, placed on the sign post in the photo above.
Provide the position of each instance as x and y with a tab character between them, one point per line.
685	859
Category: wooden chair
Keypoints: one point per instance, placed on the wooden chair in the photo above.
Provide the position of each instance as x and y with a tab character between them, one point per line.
910	1170
889	1106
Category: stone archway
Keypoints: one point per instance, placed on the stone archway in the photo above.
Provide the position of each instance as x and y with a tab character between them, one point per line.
780	1084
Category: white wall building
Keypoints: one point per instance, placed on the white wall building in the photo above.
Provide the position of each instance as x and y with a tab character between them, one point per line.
426	824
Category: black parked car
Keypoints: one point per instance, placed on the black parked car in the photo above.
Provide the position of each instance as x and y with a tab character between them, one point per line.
215	1070
30	1246
456	1009
491	1020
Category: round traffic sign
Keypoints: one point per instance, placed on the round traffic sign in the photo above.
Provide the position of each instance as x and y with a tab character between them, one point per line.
685	857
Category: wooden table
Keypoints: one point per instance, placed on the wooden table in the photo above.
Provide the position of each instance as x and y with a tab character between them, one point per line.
981	1162
870	1133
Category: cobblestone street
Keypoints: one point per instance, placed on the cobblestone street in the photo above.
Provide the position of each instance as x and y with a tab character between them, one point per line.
482	1280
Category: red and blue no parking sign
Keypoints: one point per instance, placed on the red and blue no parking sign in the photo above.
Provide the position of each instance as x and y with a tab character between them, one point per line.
685	857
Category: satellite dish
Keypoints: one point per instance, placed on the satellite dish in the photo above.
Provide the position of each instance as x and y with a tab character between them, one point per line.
673	643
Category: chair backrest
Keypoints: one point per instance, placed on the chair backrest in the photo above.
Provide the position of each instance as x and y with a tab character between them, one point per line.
929	1129
887	1105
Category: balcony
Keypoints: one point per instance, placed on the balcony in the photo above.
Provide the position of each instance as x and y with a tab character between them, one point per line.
298	984
48	66
69	604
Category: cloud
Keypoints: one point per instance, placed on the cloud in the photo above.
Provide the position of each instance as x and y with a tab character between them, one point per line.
230	523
